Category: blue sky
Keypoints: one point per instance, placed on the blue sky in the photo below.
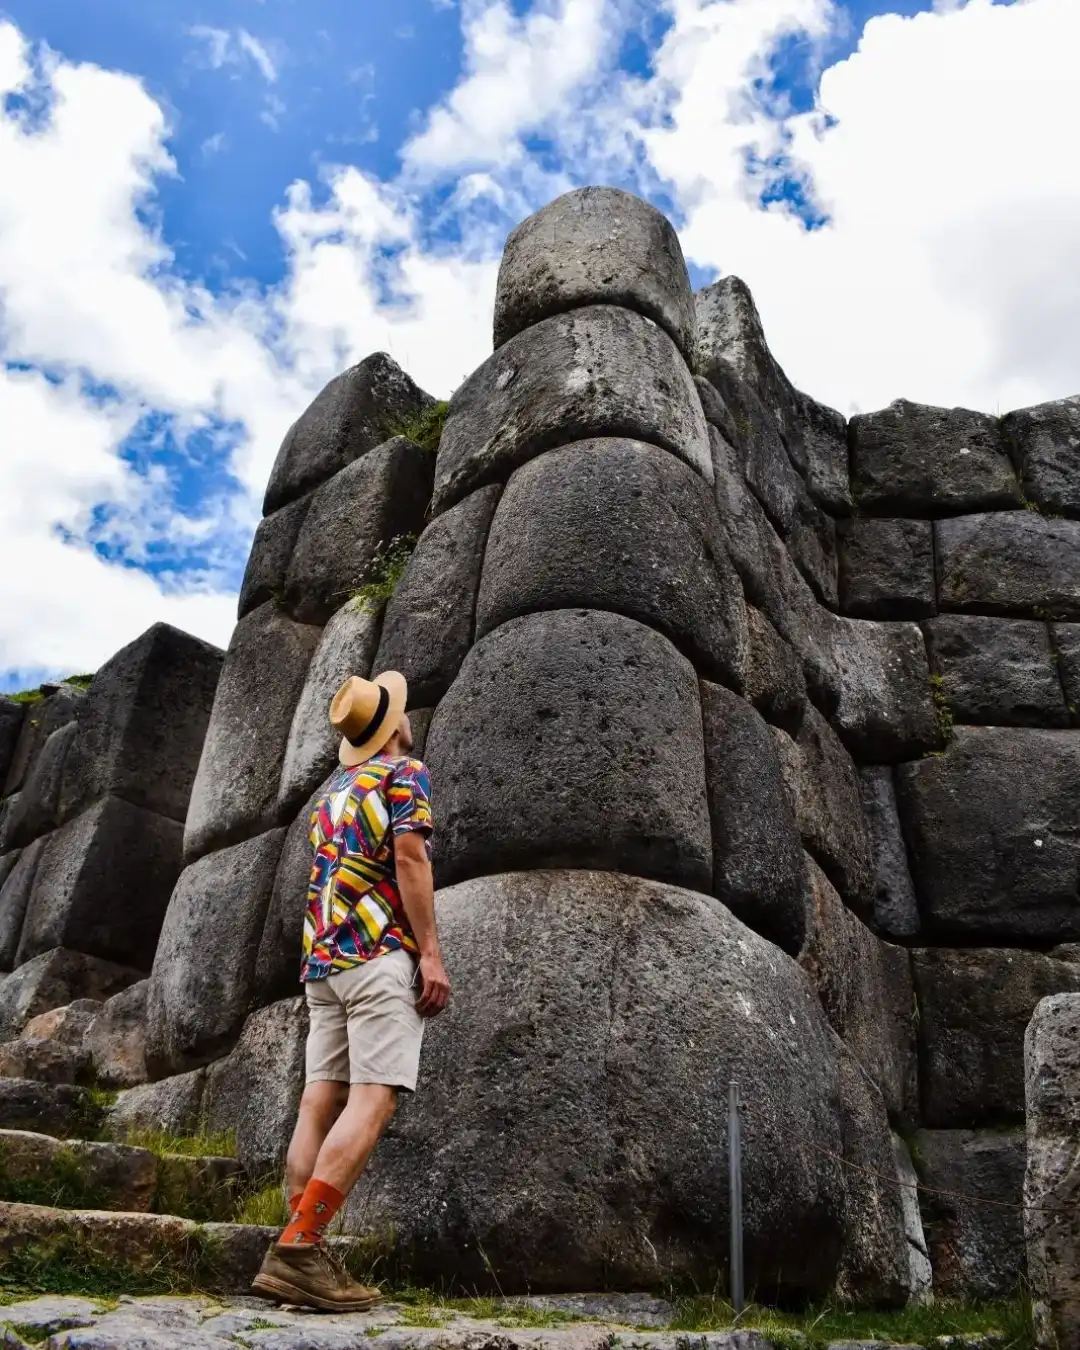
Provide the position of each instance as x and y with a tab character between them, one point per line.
216	206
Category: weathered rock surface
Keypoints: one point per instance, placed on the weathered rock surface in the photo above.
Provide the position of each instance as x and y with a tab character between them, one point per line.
1045	443
896	911
51	1048
347	647
887	569
585	1059
921	1275
117	1039
572	738
271	553
34	810
206	1189
823	455
599	371
382	497
595	246
110	1176
173	1105
58	1108
11	720
977	1249
974	1006
103	885
758	869
358	410
54	710
236	788
913	460
255	1090
14	898
773	681
617	525
997	671
1065	638
198	995
428	627
54	979
1010	563
1052	1180
277	966
991	826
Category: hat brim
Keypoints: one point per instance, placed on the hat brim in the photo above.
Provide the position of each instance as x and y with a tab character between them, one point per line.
397	687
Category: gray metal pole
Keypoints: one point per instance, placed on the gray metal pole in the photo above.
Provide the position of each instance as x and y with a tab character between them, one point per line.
738	1292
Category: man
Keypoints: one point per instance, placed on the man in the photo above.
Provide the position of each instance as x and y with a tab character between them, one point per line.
372	972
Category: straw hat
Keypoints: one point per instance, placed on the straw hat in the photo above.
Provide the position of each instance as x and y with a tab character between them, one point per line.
367	713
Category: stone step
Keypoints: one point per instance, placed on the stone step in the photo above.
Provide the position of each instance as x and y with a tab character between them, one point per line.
82	1174
60	1109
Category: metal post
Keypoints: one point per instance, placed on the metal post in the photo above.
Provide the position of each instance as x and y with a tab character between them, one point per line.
738	1293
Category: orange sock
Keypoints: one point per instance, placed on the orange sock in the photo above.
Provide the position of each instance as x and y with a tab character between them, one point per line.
294	1202
313	1213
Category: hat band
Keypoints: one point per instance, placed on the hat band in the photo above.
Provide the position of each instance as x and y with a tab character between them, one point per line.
377	717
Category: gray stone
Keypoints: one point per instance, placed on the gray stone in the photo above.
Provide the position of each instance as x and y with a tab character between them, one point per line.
997	671
172	1105
236	788
6	804
599	371
887	569
103	885
573	1098
1045	442
51	1047
913	460
1065	639
53	980
758	867
271	553
55	1108
823	787
256	1090
977	1249
377	499
717	413
1010	563
921	1274
1052	1180
633	1310
820	450
347	647
51	1314
428	627
595	246
572	739
420	722
991	827
149	705
277	966
54	710
357	411
896	911
616	525
34	810
14	898
112	1176
974	1005
774	681
11	720
117	1040
866	991
812	544
199	994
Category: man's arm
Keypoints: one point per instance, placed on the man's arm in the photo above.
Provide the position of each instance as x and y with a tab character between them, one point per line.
417	887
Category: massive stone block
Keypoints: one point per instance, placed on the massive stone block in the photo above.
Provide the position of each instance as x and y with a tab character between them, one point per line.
277	966
997	671
896	911
1011	563
14	898
236	787
974	1005
103	885
991	826
866	991
1065	639
774	681
149	705
271	553
887	569
913	460
347	647
370	503
173	1105
600	371
54	710
1052	1180
616	525
1045	442
34	810
568	1130
977	1249
758	867
11	720
571	739
357	411
428	627
116	1041
53	980
823	455
595	246
199	990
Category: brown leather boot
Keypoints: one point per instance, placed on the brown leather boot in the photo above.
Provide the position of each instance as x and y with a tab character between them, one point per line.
310	1275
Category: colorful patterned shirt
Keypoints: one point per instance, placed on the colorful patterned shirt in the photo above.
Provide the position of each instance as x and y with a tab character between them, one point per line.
354	909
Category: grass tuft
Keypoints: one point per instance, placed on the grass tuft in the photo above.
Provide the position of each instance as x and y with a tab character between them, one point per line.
942	708
164	1144
383	573
62	1184
424	428
265	1209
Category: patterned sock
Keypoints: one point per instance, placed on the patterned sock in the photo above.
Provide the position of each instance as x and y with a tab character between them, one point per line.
313	1213
294	1203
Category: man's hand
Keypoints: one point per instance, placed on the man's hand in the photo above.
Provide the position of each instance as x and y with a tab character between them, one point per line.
435	987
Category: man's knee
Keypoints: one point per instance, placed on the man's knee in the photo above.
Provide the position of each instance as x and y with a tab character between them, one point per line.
325	1101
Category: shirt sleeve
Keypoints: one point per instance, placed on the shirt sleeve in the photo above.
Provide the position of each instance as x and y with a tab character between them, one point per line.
408	794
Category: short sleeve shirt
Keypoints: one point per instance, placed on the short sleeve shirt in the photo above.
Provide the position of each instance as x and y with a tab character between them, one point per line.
354	909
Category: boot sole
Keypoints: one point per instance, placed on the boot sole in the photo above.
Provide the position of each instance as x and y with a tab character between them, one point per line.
269	1287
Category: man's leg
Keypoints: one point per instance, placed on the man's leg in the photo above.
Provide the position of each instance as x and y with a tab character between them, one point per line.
320	1106
352	1138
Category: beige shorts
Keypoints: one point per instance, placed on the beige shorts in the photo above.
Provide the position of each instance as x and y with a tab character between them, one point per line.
364	1027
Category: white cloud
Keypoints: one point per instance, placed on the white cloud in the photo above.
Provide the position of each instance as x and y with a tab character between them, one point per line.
230	47
252	47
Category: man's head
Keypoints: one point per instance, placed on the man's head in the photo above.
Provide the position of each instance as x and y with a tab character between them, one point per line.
401	743
370	714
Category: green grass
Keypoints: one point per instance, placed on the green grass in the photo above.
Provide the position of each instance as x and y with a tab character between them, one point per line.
163	1143
67	1265
942	708
266	1208
36	696
383	573
62	1183
424	428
